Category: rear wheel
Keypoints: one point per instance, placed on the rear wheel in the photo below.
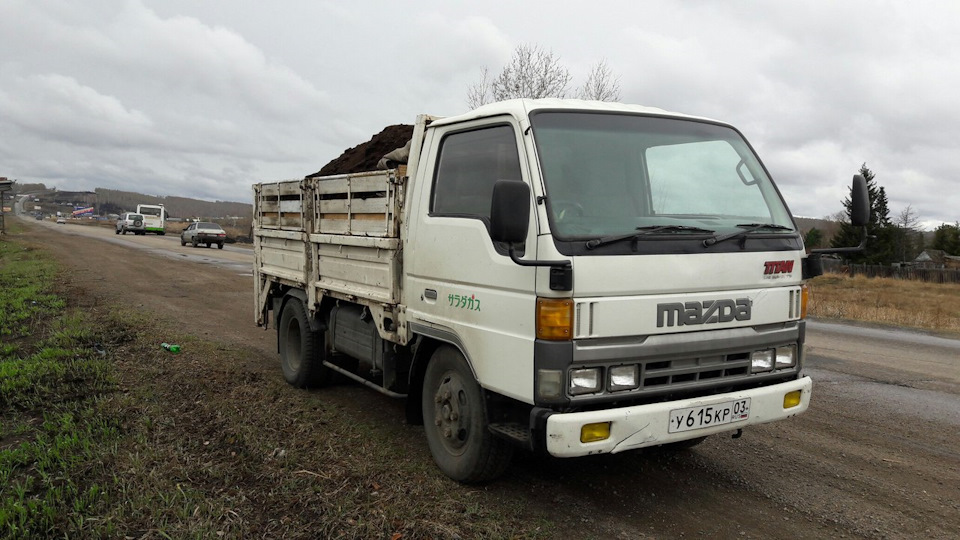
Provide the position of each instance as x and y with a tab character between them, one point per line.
220	245
455	421
301	349
195	243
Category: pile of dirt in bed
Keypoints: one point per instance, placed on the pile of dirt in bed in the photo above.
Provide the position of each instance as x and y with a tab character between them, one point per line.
364	157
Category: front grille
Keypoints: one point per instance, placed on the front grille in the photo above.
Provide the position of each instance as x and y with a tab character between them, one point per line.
691	370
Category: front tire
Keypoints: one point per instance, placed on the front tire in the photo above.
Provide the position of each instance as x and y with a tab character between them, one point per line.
455	421
182	242
301	349
195	243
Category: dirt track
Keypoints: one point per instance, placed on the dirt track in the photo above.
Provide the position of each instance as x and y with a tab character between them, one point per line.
877	455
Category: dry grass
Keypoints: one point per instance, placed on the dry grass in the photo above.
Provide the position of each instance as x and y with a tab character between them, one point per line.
887	301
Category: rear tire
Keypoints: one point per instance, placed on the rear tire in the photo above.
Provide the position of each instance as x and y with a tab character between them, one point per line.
220	246
455	421
195	243
301	349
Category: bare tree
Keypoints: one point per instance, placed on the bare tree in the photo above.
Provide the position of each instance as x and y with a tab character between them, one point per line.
480	93
909	239
601	85
531	73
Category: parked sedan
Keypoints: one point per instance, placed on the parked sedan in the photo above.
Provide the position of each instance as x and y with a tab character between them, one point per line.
203	233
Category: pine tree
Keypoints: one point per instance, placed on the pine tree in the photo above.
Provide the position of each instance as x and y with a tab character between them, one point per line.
813	239
882	248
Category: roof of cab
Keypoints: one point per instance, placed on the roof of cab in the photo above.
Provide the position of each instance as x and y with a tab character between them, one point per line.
521	109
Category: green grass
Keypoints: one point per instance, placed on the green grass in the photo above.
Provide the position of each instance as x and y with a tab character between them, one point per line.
53	432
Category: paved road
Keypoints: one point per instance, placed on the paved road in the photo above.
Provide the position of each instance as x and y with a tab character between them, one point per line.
876	456
238	258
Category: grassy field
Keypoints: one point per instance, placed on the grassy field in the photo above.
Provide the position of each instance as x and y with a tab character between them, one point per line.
891	302
53	380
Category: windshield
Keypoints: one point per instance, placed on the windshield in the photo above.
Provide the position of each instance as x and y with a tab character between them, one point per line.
609	174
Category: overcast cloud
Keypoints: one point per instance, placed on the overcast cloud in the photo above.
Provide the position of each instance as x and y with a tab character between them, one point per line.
202	99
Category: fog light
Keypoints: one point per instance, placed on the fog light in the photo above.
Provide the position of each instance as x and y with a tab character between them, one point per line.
584	381
623	378
790	400
786	356
761	361
550	383
595	432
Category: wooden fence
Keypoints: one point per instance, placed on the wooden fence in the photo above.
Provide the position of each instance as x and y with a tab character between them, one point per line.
930	275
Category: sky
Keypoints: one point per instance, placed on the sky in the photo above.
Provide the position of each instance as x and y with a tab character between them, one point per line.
204	98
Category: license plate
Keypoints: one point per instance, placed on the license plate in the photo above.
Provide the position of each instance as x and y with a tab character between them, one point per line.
709	415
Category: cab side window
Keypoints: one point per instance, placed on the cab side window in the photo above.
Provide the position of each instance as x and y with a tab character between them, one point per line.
470	163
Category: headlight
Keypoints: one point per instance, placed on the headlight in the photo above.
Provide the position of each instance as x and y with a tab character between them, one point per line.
786	356
623	378
584	381
761	361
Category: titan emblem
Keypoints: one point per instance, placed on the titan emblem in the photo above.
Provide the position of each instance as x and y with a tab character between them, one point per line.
777	267
706	312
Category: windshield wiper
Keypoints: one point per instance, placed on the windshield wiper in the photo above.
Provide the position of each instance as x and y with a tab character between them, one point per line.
748	228
650	229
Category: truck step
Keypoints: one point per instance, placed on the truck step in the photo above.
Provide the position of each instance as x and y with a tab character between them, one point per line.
515	432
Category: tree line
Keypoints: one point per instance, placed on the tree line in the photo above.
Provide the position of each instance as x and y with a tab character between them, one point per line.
111	201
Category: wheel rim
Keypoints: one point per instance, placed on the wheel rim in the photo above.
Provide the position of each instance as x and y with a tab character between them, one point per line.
452	413
293	345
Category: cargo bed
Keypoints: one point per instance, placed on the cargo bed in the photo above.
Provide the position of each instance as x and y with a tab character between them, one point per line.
333	236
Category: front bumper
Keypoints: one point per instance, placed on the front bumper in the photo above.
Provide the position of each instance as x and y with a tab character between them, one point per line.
647	425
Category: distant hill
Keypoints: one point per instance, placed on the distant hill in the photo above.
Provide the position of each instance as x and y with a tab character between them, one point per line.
111	201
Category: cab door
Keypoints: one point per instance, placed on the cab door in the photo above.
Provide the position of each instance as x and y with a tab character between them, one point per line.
461	287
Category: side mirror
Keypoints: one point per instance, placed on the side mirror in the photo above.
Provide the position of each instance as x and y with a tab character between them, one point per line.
510	211
860	201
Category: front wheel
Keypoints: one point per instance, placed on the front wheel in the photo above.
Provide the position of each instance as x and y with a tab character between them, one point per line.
455	421
301	349
182	242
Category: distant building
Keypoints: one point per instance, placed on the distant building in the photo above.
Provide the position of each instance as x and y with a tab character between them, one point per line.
936	258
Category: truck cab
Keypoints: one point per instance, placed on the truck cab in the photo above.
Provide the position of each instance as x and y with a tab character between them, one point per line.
568	277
